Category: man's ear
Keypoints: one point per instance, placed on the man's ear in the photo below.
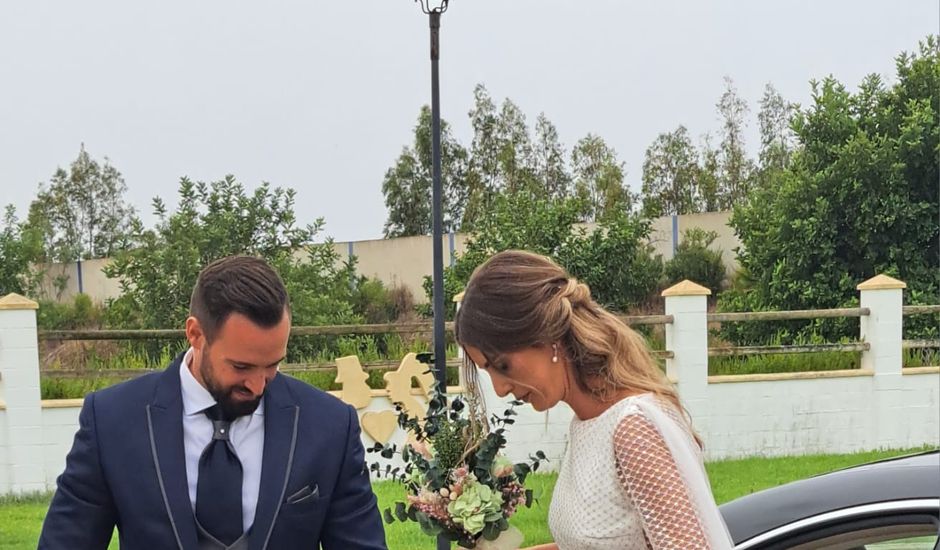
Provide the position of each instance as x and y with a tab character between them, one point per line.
195	334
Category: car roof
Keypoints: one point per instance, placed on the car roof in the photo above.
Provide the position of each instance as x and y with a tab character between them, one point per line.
907	477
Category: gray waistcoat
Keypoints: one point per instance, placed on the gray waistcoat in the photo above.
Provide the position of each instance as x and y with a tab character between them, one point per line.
208	542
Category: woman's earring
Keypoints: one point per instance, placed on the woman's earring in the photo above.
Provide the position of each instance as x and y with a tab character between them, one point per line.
554	353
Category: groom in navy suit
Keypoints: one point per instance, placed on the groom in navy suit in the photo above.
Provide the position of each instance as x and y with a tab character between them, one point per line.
219	451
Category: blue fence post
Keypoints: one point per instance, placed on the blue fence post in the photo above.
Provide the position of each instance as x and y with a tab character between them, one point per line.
78	268
675	234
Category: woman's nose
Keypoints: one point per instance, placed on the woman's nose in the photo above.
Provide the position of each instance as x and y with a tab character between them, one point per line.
501	385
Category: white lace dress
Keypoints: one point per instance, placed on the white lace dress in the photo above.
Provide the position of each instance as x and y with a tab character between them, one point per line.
633	479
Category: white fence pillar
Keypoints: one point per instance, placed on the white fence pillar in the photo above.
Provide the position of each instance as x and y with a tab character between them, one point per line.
19	391
687	339
882	327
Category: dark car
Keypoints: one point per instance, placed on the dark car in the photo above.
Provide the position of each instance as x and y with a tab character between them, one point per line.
892	504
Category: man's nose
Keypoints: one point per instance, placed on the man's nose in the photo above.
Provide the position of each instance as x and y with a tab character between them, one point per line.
256	383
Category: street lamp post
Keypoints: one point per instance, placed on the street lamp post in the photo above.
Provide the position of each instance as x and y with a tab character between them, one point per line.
440	349
437	193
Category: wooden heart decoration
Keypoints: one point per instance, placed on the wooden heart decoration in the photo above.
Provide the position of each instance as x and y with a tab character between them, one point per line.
379	425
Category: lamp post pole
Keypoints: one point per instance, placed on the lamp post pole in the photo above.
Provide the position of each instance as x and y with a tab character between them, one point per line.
437	195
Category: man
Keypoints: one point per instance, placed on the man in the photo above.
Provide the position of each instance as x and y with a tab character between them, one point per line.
219	451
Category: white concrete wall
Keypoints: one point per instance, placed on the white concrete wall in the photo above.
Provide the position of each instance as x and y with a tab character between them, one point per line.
880	405
59	424
403	261
780	417
4	455
738	419
94	282
769	418
834	415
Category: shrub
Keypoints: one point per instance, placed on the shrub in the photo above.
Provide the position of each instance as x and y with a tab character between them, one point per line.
694	260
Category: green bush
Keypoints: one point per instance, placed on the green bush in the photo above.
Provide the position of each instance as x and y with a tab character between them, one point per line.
81	313
219	219
696	262
859	198
375	303
615	261
21	247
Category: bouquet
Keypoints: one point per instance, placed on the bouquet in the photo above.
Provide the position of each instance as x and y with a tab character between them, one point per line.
457	483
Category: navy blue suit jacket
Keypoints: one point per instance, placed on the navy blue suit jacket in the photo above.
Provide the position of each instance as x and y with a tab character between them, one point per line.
127	469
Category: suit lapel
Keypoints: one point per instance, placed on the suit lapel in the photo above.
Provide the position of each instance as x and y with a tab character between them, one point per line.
165	423
280	437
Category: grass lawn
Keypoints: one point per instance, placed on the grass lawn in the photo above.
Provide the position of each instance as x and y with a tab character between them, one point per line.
21	519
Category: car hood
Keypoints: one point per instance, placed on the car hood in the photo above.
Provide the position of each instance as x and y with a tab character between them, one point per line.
911	477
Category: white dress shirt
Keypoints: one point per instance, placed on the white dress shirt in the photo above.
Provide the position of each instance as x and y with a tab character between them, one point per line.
247	437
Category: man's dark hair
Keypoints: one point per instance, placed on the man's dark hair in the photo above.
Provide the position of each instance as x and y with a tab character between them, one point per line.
238	284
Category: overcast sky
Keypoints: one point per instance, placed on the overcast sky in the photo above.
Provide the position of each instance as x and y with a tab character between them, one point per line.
321	96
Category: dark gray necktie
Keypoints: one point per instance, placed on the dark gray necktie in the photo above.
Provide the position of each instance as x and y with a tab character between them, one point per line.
219	486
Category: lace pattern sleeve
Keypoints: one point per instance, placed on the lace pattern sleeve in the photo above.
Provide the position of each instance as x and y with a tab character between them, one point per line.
650	475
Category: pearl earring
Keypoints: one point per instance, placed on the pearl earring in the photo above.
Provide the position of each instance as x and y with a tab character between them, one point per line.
554	353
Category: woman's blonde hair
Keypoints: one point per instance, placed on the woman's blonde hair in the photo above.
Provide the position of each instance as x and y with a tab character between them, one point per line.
517	299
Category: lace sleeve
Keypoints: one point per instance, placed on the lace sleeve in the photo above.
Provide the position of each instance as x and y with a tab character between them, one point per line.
649	474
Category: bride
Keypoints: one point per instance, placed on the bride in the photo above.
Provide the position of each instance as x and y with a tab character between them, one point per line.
632	477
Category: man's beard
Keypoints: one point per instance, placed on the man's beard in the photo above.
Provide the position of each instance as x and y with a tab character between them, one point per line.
230	407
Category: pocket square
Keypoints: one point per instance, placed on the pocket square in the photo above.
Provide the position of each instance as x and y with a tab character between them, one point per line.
305	494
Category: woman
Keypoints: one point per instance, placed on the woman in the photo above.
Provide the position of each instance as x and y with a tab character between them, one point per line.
632	477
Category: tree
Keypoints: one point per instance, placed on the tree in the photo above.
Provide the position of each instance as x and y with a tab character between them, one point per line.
501	148
615	258
407	190
616	261
515	148
502	158
220	219
670	175
408	185
599	179
708	177
735	169
485	147
776	137
513	220
548	158
20	248
858	198
82	213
